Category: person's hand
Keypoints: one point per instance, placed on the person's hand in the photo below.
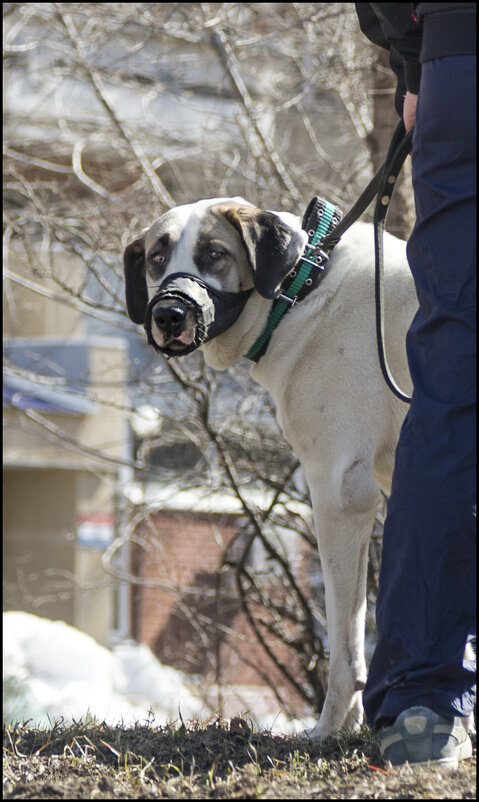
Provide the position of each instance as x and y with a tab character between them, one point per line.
409	110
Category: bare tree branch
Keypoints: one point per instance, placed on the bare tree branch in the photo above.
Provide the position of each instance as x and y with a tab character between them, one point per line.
115	113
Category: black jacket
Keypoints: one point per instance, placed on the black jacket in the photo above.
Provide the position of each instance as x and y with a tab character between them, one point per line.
417	32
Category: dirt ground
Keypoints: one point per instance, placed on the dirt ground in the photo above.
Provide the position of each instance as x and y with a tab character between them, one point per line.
212	760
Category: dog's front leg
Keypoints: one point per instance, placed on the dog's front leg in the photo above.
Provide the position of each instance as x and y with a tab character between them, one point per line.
344	526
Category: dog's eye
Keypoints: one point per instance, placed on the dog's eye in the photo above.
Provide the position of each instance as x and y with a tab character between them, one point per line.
214	254
157	258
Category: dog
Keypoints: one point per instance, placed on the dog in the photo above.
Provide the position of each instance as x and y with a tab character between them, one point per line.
205	275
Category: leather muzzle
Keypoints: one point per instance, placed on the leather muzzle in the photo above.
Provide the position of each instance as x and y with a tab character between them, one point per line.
214	310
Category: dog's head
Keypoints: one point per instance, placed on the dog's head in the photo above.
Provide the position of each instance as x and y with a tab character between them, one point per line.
190	274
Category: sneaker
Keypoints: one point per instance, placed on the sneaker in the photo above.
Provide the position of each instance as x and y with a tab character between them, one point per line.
422	737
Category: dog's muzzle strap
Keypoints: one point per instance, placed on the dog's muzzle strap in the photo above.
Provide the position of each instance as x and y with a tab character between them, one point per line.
214	310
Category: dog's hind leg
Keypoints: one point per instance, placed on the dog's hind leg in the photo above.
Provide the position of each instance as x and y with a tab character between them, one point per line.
344	516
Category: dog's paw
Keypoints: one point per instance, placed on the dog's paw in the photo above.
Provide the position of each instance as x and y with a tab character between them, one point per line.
316	732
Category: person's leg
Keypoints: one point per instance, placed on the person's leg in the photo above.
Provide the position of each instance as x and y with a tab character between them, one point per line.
426	601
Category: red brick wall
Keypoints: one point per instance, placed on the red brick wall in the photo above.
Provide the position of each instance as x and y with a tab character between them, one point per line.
184	551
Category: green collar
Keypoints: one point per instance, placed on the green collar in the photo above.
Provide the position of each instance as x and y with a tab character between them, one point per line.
320	219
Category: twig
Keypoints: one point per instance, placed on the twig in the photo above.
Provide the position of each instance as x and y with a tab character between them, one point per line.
156	184
220	44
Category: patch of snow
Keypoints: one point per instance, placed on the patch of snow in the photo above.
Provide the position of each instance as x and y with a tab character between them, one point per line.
53	672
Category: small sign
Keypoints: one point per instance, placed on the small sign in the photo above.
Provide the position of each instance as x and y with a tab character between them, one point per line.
95	531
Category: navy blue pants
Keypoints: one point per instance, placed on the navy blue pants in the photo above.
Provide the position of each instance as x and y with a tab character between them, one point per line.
426	602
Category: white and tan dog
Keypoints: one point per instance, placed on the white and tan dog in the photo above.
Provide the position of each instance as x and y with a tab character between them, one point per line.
321	368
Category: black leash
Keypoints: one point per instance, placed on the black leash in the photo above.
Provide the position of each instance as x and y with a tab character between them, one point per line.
381	187
322	241
398	151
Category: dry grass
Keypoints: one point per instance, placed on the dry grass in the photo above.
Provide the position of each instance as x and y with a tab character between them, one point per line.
210	760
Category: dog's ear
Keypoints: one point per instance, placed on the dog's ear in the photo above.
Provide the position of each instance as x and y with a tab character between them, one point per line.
135	280
273	247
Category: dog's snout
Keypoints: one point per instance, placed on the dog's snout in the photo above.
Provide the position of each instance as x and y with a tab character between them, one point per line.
170	319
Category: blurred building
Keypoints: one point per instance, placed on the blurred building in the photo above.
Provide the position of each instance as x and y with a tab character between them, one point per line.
63	393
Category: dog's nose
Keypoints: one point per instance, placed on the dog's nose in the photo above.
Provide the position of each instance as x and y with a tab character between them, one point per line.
170	319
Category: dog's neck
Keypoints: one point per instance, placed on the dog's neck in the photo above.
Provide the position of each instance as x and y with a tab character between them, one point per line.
221	352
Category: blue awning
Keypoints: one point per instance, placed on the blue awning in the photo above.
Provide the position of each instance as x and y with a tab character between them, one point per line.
24	393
